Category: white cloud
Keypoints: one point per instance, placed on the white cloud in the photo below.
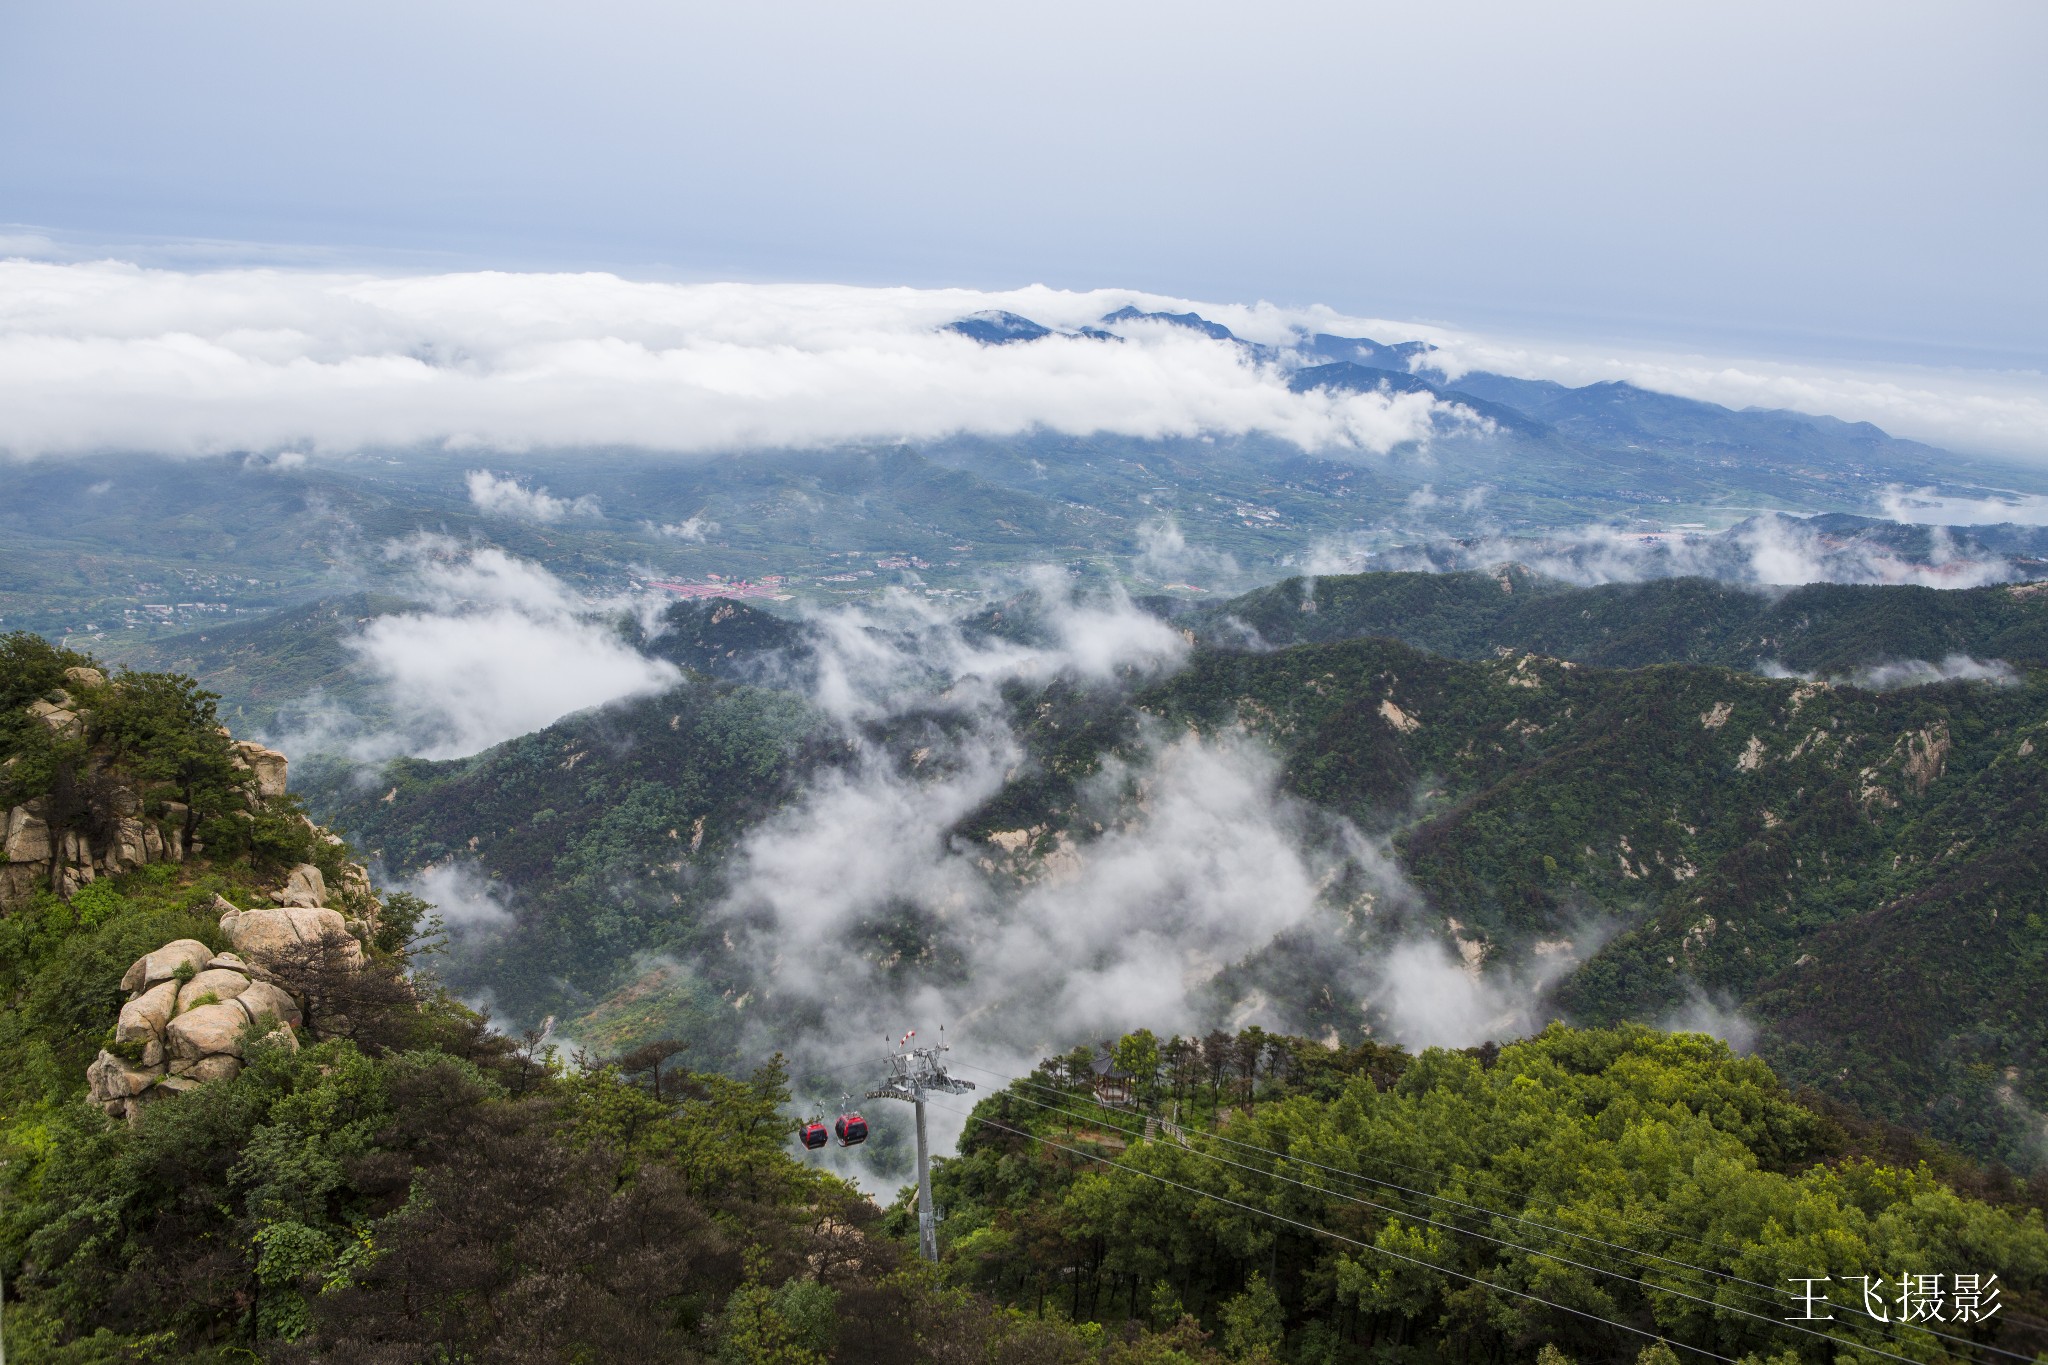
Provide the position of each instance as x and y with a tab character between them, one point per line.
1926	507
1769	550
1165	555
1898	673
105	355
110	355
875	659
1185	867
692	529
506	496
468	902
1199	860
1720	1018
503	649
1886	677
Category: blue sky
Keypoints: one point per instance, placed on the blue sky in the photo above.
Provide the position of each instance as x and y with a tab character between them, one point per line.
1858	180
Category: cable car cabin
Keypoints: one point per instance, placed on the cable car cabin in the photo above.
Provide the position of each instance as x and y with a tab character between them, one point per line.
813	1136
852	1129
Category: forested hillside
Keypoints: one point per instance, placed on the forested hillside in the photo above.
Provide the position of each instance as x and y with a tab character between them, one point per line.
1593	1190
395	1182
1823	628
391	1180
1855	870
603	835
1744	834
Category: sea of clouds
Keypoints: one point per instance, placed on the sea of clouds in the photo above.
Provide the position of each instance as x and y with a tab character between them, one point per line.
107	355
110	355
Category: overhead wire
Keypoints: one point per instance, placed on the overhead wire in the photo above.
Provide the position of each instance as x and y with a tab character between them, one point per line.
1440	1198
1377	1159
1535	1251
1340	1237
1568	1232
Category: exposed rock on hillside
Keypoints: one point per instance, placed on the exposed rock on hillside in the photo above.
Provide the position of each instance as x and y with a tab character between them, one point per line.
106	820
191	1011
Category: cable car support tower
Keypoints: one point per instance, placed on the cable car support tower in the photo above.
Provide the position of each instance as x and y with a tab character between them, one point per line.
915	1072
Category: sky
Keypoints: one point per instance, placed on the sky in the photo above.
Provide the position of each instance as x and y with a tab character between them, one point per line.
1824	180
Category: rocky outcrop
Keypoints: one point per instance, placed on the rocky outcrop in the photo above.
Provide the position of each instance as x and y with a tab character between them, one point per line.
301	916
66	722
189	1008
188	1014
303	886
123	835
267	766
66	859
28	834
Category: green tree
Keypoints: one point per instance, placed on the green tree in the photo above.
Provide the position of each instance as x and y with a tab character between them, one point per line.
1138	1053
1252	1322
756	1329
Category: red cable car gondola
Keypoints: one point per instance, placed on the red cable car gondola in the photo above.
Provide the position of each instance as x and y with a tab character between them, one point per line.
852	1128
813	1136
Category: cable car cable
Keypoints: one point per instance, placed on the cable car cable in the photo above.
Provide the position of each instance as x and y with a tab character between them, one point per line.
1501	1213
1424	1170
1353	1241
1546	1255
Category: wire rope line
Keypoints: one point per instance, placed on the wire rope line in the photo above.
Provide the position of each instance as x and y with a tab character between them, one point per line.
1343	1194
1536	1223
1447	1199
1546	1255
1646	1224
1340	1237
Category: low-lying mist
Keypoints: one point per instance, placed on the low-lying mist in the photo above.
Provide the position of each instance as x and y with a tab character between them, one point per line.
1176	885
1769	550
1180	890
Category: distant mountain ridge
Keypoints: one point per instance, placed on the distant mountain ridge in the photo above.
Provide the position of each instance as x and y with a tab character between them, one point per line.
1599	420
1823	628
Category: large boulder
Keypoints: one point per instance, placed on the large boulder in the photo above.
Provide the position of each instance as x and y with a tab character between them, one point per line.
27	835
131	844
60	719
190	1008
112	1082
80	676
218	982
143	1018
203	1032
163	964
218	1067
263	1000
268	765
283	1037
305	886
262	934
